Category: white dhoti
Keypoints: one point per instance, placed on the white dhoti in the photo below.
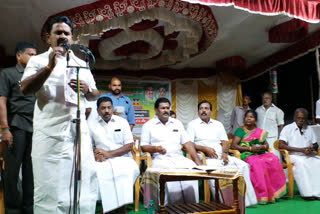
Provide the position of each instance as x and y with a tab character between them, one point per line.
116	178
177	192
306	174
52	159
250	198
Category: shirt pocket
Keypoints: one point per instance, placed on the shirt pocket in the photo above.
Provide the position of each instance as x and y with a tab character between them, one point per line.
118	136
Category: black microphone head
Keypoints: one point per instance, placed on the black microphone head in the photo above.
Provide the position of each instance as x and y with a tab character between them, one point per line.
64	43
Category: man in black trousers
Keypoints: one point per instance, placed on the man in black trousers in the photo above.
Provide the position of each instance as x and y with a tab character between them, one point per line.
16	114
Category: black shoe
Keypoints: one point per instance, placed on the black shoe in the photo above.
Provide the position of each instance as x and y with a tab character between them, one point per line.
308	198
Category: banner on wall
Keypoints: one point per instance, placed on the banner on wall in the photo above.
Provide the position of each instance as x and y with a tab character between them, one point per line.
143	96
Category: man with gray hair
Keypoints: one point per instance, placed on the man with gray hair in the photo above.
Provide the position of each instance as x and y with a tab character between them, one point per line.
300	141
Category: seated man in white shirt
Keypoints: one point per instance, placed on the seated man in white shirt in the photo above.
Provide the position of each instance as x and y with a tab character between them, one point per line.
300	141
116	169
210	137
163	137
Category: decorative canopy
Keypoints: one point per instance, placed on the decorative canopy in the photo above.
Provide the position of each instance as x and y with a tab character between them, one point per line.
137	35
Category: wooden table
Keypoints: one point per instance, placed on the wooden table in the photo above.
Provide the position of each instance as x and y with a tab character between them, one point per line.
167	175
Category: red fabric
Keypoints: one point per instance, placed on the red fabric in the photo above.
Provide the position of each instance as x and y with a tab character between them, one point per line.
144	25
132	48
111	33
233	64
289	31
308	10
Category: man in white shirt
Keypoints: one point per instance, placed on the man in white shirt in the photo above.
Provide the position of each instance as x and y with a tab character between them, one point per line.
270	118
116	169
163	137
237	116
210	137
300	141
54	84
318	111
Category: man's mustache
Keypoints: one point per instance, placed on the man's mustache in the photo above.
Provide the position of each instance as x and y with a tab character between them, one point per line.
166	113
204	113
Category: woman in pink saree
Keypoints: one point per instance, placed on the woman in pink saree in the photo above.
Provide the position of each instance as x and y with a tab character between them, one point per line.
266	173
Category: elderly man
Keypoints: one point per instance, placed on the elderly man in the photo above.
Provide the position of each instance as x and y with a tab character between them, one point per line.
210	137
270	118
300	141
237	116
116	169
16	114
53	138
163	136
122	104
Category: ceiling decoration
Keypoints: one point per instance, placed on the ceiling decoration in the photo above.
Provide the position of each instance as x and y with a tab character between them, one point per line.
145	34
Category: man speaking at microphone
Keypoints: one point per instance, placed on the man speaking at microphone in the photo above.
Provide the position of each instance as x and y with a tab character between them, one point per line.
54	84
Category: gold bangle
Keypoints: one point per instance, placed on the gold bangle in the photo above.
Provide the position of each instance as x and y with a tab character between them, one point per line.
156	148
49	68
250	149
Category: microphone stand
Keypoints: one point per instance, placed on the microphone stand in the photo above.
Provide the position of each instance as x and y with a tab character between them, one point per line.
77	141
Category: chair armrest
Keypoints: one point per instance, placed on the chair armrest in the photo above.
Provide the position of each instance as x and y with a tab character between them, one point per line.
203	156
318	152
236	153
269	150
136	154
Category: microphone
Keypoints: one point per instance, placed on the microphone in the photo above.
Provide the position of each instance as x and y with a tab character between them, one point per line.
64	43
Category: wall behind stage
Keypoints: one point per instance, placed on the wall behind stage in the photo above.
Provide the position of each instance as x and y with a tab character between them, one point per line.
223	91
143	94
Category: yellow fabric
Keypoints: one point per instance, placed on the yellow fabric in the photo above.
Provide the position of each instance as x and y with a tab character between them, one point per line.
227	183
239	95
173	97
209	92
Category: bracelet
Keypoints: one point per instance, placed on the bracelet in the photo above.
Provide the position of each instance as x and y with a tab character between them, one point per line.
49	68
156	148
250	149
5	128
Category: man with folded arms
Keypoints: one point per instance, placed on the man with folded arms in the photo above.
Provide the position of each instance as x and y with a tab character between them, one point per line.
116	169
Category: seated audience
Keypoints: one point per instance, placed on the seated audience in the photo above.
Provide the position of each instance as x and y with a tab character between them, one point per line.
300	141
163	137
210	137
116	169
266	172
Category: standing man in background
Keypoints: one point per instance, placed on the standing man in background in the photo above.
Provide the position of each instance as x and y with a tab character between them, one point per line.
237	116
318	112
122	105
16	114
270	118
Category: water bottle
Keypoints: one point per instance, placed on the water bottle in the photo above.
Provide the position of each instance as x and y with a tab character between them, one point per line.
151	208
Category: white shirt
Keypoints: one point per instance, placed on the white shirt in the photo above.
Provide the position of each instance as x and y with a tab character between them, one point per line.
318	109
112	135
207	134
170	135
269	119
291	135
56	101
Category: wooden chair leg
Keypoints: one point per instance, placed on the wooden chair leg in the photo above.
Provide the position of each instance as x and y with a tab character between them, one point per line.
291	181
206	191
136	194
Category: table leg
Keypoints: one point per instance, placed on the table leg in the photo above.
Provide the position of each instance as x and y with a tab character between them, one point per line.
235	196
216	185
162	195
